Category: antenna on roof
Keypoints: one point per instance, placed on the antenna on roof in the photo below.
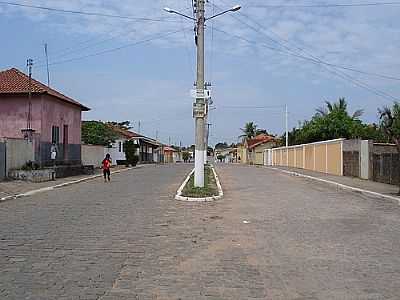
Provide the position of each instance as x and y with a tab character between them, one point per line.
47	64
28	131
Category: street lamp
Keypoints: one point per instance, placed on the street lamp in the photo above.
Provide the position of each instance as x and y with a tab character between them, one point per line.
233	9
171	11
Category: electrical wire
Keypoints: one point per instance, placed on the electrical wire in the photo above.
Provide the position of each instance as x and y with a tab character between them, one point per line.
324	5
87	13
267	107
78	49
308	58
156	37
341	75
187	50
289	48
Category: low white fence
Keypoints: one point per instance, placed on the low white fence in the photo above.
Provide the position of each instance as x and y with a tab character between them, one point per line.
93	155
15	154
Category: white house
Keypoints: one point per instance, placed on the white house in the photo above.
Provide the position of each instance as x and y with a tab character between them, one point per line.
149	150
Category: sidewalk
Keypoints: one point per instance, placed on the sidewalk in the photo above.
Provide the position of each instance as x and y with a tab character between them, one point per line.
368	185
15	187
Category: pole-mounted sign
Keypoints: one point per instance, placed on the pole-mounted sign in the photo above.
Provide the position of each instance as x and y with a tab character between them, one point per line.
200	94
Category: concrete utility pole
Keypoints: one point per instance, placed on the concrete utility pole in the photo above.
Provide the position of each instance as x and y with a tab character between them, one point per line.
199	107
287	125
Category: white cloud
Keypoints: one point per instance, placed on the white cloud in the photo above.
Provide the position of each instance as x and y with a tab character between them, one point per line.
364	38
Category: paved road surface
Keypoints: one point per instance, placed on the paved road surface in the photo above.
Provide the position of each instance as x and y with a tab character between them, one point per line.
272	237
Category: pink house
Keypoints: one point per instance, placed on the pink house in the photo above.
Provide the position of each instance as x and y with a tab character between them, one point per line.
55	118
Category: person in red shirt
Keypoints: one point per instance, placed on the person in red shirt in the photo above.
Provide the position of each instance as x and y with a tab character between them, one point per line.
106	167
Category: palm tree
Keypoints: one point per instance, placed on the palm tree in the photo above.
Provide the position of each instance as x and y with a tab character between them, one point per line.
390	124
340	106
249	131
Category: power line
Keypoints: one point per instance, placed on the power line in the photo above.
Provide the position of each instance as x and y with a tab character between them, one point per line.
79	49
78	12
158	36
325	5
340	74
60	51
310	59
212	45
250	106
187	50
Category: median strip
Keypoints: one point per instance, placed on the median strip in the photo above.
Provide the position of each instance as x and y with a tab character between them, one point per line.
212	190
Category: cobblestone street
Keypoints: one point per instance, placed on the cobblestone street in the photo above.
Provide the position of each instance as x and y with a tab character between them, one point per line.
272	236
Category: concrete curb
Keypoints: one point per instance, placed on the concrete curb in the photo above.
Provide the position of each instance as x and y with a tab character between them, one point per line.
179	196
338	185
50	188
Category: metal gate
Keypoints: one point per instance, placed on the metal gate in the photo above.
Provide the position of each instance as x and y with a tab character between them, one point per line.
2	160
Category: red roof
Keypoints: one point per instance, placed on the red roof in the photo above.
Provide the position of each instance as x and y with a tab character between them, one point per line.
13	81
169	149
258	140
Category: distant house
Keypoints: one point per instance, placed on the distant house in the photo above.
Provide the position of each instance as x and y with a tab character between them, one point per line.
171	155
252	151
229	154
55	118
149	150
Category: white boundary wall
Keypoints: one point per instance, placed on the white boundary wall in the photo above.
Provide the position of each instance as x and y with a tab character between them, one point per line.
93	155
325	156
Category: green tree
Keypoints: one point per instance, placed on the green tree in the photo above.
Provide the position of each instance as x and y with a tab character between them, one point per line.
262	131
249	131
125	125
130	152
330	122
390	124
221	157
341	105
97	133
185	156
221	145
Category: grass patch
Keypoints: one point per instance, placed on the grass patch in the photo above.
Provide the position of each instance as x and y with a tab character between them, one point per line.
210	186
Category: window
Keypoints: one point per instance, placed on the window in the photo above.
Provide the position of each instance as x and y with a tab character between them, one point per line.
55	134
119	146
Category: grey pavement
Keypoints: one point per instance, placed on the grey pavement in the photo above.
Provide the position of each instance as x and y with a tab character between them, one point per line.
273	236
15	187
377	187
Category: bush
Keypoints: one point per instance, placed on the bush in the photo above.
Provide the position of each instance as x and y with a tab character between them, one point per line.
185	156
130	152
221	157
30	165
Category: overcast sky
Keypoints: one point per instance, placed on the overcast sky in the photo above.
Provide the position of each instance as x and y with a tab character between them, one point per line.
263	56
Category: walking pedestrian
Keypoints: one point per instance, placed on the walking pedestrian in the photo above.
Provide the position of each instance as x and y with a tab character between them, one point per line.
106	167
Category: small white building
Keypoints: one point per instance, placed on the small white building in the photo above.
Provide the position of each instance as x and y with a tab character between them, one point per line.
149	150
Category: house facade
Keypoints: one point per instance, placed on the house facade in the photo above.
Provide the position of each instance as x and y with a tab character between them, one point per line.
54	117
149	150
253	150
229	154
171	155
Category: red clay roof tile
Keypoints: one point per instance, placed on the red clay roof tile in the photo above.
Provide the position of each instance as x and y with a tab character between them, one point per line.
13	81
259	139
